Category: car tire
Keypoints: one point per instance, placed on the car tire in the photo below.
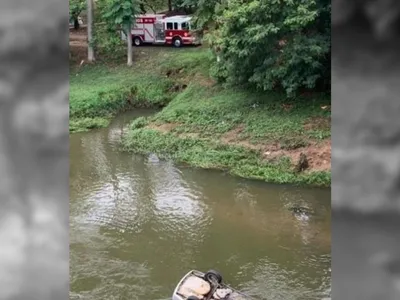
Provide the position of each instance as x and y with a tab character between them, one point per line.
213	276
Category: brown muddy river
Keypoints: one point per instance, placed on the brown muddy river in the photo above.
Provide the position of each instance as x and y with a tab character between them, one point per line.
138	224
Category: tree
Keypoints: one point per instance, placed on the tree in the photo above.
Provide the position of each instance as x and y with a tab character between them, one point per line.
153	5
75	9
269	44
90	30
205	11
122	13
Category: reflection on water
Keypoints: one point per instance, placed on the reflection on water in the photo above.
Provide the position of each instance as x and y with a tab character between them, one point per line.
139	223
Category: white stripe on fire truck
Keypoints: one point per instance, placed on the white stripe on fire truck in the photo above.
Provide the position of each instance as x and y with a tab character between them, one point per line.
149	33
183	38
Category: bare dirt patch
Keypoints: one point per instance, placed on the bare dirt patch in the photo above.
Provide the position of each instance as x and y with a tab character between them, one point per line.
164	128
78	45
318	154
180	76
78	36
232	137
205	81
168	127
191	135
317	123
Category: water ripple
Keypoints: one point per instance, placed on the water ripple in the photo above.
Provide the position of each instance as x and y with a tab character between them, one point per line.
139	223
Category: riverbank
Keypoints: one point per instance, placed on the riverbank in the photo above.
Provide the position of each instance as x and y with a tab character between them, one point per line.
253	135
249	135
99	92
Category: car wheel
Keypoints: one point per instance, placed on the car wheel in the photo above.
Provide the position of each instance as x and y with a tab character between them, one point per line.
213	276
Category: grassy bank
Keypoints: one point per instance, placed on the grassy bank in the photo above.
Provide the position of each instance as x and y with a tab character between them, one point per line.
99	92
253	135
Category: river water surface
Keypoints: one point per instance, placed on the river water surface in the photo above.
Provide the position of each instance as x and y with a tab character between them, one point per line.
138	224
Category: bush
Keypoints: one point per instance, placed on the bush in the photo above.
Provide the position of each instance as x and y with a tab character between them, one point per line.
269	44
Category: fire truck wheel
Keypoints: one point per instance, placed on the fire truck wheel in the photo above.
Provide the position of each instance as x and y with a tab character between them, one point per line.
137	41
177	42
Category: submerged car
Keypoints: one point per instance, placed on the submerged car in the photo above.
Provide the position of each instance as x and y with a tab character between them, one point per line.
197	285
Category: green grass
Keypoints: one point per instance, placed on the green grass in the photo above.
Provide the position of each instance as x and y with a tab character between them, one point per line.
262	117
84	124
98	92
210	154
203	115
210	113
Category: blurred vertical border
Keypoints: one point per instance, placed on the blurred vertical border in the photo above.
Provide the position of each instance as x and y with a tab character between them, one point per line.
365	149
34	145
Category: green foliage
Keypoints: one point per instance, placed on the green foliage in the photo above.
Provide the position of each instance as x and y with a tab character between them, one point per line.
270	44
108	44
85	124
139	123
121	13
97	93
106	40
153	6
118	15
76	7
205	12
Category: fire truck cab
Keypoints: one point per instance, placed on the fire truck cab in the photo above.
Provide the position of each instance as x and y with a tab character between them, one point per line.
159	29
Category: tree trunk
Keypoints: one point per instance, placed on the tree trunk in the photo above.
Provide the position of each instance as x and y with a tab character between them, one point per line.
170	5
129	44
76	23
90	30
142	8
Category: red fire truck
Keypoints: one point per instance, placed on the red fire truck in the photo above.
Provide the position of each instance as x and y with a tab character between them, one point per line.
160	29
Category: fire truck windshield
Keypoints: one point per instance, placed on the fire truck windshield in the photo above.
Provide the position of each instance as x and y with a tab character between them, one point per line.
185	26
172	26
